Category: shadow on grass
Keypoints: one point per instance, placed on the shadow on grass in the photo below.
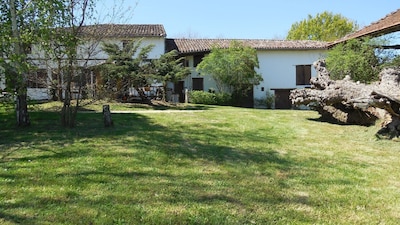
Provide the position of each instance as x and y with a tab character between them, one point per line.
53	147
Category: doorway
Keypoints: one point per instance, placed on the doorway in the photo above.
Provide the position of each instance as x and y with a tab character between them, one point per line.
282	100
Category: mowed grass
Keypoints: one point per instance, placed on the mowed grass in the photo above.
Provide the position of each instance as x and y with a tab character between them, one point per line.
217	165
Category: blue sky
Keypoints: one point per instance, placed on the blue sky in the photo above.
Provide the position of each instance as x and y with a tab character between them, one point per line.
250	19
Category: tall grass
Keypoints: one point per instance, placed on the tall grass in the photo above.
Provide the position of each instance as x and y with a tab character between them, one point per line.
218	165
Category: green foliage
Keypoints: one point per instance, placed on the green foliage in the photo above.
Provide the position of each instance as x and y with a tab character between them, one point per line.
126	67
267	101
130	67
233	68
202	97
223	99
169	68
355	58
393	62
25	22
210	98
323	27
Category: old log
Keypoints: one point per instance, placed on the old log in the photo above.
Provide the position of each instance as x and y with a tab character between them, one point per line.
350	102
107	116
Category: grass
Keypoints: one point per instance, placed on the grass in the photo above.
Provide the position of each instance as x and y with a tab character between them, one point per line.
218	165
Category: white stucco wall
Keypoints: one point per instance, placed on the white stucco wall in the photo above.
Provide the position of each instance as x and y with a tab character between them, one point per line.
278	69
38	93
208	81
91	53
94	49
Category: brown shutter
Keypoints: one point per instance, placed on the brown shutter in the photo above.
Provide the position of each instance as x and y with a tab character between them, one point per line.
198	84
299	75
307	74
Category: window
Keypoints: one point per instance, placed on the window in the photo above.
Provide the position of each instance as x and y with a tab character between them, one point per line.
197	84
197	59
125	43
37	79
84	77
303	74
27	48
185	63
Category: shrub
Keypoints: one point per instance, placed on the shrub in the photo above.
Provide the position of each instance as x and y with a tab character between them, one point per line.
201	97
267	101
223	99
210	98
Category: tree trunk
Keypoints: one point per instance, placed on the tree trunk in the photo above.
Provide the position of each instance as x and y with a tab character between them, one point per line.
22	111
348	102
107	116
21	104
68	113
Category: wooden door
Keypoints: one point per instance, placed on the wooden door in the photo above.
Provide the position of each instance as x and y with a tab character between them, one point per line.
179	89
282	100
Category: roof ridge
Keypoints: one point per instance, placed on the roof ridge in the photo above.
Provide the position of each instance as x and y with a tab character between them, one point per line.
243	39
387	24
196	45
385	17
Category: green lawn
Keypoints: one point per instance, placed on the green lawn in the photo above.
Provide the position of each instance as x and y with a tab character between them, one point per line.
208	165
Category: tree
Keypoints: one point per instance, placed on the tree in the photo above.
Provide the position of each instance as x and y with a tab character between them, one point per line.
354	58
348	102
323	27
126	67
23	23
233	68
169	68
73	16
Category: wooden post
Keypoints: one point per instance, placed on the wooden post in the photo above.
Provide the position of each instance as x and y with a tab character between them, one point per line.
186	95
107	116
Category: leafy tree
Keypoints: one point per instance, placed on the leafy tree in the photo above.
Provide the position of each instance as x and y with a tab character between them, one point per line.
233	68
355	58
127	67
169	68
23	22
323	27
394	62
27	23
73	16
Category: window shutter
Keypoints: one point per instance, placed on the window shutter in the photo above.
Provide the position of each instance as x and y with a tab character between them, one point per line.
197	84
299	75
307	74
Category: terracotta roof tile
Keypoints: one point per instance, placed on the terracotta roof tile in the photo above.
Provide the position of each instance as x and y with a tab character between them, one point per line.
390	23
124	30
185	46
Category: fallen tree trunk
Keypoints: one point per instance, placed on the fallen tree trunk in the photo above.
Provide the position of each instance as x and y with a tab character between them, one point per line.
348	102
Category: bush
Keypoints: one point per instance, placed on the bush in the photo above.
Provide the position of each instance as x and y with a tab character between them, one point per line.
209	98
223	99
267	101
201	97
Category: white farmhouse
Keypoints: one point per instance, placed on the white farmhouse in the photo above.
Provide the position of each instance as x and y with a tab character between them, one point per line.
90	54
284	65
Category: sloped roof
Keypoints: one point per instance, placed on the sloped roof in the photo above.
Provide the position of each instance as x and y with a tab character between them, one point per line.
185	46
124	30
389	24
